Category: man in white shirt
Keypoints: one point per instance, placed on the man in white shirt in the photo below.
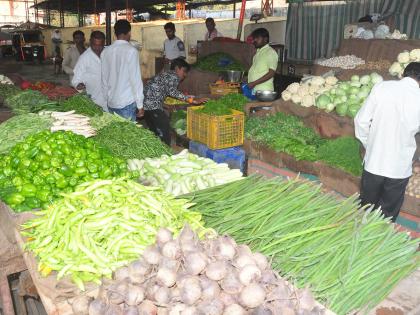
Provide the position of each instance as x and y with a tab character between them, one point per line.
87	73
56	40
386	125
212	32
72	54
121	76
173	46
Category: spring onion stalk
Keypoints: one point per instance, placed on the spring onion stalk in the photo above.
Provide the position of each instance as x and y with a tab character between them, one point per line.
103	225
350	257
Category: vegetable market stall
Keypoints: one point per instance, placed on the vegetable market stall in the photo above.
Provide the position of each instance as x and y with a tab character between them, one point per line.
376	53
329	126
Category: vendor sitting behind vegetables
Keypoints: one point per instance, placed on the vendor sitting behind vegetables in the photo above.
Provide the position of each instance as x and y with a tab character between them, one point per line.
264	65
157	89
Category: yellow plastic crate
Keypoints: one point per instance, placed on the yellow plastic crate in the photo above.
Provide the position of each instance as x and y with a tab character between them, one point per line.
217	132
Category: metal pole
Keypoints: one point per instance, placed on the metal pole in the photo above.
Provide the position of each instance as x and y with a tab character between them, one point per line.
234	10
108	21
241	20
48	14
61	14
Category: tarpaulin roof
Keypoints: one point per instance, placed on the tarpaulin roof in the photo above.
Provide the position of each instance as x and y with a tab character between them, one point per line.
93	6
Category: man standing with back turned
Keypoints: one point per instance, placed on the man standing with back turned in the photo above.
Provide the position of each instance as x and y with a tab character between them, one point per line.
121	75
386	125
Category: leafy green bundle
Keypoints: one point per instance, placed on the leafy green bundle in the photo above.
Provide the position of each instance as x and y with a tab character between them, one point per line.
130	141
218	62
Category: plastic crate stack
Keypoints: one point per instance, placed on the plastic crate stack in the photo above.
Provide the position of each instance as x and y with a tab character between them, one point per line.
217	137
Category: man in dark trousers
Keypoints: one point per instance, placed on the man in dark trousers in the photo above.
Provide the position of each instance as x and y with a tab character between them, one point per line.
386	125
157	89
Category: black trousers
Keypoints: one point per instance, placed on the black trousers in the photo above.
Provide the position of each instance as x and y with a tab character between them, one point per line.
158	122
384	192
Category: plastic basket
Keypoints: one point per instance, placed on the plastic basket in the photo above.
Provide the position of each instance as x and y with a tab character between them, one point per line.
224	88
217	132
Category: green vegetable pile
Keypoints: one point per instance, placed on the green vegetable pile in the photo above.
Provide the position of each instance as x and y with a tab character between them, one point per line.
43	165
103	225
129	141
28	101
284	133
179	122
348	97
99	122
82	105
19	127
343	153
224	105
287	133
349	257
8	90
219	62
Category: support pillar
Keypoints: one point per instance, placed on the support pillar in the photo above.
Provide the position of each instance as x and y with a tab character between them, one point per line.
61	14
48	14
108	21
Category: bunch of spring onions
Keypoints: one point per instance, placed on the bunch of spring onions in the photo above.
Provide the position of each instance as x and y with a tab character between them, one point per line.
101	226
183	173
350	257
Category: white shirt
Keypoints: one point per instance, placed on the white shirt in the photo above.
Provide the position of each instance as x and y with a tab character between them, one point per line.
174	48
387	124
121	75
71	55
88	72
213	35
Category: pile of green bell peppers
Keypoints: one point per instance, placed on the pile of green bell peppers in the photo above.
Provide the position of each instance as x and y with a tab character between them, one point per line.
46	164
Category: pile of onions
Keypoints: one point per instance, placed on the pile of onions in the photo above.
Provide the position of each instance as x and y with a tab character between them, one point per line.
413	187
186	276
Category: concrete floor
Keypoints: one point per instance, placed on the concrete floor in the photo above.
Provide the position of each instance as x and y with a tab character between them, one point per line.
32	71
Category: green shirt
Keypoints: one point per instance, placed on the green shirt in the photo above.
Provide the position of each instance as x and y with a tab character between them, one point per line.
265	59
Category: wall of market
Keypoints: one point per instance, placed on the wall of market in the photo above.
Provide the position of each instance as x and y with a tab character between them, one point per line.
151	36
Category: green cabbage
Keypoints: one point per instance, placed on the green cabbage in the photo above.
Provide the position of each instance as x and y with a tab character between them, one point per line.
365	79
322	101
341	109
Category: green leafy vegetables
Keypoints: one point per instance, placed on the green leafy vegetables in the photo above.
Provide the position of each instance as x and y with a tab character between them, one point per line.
43	165
82	104
224	105
27	101
30	101
17	128
343	153
287	133
284	133
218	62
349	257
129	141
8	90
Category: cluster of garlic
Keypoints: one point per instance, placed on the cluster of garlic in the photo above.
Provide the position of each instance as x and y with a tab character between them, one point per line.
343	62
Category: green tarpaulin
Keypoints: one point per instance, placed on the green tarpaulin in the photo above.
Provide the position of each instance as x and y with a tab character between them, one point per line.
315	29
